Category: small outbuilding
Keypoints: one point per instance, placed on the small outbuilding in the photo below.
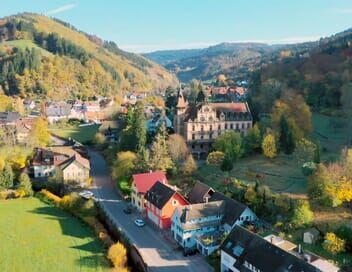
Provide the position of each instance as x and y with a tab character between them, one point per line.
311	236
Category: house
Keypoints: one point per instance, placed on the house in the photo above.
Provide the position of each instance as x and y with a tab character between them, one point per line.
29	104
162	200
55	111
111	130
201	124
311	236
243	250
23	129
236	213
154	123
71	164
91	106
9	118
200	193
141	184
190	223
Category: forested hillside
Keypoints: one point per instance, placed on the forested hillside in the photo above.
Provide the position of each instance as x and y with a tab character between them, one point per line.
40	56
322	75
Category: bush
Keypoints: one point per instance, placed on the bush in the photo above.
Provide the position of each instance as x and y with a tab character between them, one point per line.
25	185
117	254
333	244
49	197
215	158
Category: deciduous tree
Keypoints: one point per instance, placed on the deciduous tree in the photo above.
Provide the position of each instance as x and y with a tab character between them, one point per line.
269	146
333	244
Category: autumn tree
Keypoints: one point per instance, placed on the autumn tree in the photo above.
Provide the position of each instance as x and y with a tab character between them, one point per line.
99	139
215	158
117	254
302	214
269	146
40	135
124	164
178	149
333	244
189	166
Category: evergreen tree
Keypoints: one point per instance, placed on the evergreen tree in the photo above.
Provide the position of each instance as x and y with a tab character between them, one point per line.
227	163
6	177
286	140
138	128
316	158
25	184
200	97
159	154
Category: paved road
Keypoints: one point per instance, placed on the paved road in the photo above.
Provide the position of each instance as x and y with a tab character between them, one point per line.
157	253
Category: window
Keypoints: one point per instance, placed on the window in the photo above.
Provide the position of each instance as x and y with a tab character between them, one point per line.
201	146
231	126
193	136
248	125
193	127
201	137
211	128
242	125
237	127
193	146
219	127
225	126
211	136
201	128
174	202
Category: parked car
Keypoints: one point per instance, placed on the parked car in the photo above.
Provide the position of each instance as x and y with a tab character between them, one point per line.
190	251
86	194
127	210
139	222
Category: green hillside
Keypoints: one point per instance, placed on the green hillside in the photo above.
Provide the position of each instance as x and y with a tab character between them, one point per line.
98	67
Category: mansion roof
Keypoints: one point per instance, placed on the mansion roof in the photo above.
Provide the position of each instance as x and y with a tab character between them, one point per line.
229	111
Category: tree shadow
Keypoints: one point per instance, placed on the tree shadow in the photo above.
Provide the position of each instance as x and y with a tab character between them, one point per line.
93	261
89	247
67	222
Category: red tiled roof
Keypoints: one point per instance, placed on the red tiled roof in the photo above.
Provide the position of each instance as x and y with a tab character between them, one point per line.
145	181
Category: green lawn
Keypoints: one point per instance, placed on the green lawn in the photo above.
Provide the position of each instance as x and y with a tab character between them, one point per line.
23	44
38	237
281	174
332	134
80	134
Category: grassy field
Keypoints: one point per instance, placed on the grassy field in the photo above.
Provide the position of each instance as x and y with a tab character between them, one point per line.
332	134
23	44
80	134
281	174
38	237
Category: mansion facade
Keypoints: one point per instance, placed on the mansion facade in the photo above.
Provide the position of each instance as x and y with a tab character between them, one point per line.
201	124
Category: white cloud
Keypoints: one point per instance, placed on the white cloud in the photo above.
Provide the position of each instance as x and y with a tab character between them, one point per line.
344	10
61	9
142	48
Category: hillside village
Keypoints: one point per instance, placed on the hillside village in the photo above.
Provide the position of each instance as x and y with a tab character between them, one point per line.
243	172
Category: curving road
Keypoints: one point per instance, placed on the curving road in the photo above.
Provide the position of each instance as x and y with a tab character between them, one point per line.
157	253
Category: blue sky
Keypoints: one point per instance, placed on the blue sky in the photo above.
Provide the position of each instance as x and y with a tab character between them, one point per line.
147	25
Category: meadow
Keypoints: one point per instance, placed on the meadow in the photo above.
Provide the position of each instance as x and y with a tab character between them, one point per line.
38	237
82	134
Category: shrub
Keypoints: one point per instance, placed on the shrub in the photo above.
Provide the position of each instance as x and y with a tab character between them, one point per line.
333	244
117	254
49	197
215	158
25	184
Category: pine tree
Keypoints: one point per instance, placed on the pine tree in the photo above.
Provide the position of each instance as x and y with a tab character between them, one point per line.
286	139
139	129
316	158
159	154
6	178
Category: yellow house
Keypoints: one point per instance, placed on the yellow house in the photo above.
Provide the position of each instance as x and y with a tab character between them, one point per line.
141	183
76	169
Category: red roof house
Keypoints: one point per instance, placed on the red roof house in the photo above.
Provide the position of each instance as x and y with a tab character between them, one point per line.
162	200
141	183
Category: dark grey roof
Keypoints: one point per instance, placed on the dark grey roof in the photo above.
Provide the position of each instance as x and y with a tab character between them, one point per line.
233	208
159	194
199	192
264	256
9	117
196	211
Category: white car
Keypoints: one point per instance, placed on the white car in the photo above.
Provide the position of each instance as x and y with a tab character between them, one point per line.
86	194
139	222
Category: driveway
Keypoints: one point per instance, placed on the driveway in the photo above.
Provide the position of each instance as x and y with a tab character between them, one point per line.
157	253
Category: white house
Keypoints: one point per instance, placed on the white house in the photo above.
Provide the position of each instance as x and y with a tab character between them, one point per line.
243	250
189	223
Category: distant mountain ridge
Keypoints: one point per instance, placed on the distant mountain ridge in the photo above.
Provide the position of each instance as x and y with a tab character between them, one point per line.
57	40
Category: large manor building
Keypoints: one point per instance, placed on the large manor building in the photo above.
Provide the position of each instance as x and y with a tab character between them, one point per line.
201	124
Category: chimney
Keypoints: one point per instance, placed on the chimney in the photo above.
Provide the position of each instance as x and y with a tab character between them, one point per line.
206	199
272	239
299	249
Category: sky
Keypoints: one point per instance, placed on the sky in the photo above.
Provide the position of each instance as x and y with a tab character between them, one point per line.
149	25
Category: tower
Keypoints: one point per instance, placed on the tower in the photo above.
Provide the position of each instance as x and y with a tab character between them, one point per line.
181	108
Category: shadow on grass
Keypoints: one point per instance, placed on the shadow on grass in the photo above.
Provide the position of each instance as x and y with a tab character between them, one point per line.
69	225
94	261
91	247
